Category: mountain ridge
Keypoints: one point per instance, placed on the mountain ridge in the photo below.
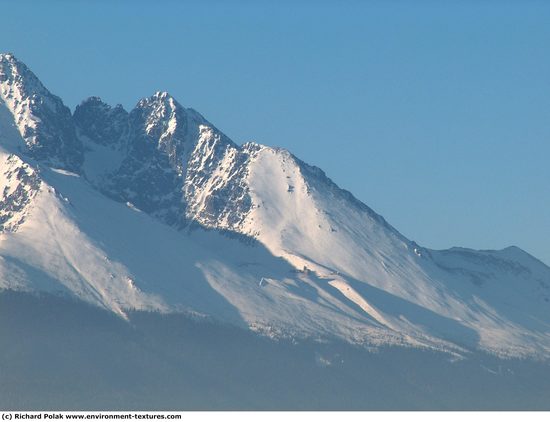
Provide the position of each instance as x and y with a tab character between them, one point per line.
109	216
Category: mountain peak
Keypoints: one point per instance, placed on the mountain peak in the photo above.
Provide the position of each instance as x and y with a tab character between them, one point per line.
162	116
15	72
163	95
160	98
43	121
8	58
99	122
93	100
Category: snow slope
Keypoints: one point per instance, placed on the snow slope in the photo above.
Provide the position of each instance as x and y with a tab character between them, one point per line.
156	209
78	242
495	297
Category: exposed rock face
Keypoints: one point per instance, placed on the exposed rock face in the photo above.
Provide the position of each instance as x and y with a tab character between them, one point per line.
20	183
175	165
42	119
101	123
216	189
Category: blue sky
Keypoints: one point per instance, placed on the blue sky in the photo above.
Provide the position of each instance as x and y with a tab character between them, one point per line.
434	113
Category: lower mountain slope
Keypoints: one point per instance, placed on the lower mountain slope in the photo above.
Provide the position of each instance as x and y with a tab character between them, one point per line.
75	241
75	356
67	238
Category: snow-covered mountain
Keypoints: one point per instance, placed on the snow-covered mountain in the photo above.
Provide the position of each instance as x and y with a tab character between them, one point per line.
156	209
